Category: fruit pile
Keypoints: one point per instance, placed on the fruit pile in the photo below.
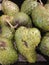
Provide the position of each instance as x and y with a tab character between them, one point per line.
21	30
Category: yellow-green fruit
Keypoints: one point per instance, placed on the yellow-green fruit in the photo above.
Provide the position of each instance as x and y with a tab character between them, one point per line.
26	41
6	32
10	8
22	19
8	55
6	19
28	6
44	46
40	17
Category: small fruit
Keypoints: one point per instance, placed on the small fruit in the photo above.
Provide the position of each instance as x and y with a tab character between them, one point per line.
26	41
8	55
10	8
6	32
6	20
44	46
28	6
22	19
40	17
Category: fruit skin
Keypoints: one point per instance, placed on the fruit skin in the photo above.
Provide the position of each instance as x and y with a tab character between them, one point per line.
10	8
5	18
6	32
44	45
22	19
28	6
26	41
40	17
8	55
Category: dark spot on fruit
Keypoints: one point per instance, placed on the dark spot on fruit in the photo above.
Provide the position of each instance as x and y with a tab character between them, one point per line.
25	43
2	45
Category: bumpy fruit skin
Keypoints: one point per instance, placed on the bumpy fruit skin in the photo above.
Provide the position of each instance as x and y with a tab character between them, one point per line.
26	41
6	32
8	55
28	6
9	8
40	17
5	18
44	46
22	19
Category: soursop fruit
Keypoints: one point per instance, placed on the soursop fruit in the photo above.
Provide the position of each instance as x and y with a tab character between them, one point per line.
8	55
44	45
21	19
10	8
26	41
6	32
40	17
28	6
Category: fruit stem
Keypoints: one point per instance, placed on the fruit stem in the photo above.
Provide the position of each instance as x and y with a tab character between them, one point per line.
41	2
11	24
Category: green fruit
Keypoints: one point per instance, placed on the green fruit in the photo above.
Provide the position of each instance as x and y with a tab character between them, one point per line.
26	41
28	6
8	55
5	20
22	19
44	46
6	32
9	8
40	17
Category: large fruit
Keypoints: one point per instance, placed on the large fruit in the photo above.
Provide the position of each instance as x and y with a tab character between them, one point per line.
9	8
28	6
40	17
8	55
26	41
44	46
